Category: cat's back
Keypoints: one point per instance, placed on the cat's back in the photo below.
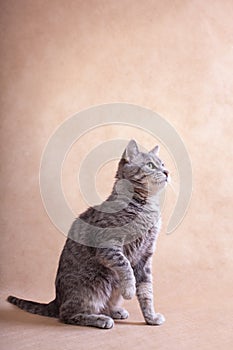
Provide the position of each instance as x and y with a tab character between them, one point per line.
75	256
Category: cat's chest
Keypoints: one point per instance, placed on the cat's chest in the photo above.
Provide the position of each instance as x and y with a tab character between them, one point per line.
142	246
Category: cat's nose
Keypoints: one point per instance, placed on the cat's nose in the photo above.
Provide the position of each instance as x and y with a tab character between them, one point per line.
166	172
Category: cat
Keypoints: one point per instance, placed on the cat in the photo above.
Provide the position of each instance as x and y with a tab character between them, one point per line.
108	252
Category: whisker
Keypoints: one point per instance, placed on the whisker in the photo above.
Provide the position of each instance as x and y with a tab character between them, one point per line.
174	183
173	188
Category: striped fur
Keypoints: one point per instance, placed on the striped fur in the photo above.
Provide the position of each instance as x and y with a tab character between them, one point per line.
108	252
50	309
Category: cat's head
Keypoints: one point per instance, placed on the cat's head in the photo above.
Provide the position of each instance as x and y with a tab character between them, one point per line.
145	171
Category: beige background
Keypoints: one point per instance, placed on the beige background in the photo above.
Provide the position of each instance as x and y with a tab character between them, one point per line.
174	57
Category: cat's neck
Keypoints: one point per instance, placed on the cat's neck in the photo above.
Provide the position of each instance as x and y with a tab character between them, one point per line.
150	203
137	195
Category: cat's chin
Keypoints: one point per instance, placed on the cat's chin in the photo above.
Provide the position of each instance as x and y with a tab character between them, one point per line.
162	183
161	186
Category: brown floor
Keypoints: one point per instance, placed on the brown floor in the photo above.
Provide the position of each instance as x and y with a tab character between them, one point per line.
197	317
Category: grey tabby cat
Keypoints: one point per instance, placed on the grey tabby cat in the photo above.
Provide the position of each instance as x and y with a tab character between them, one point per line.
108	252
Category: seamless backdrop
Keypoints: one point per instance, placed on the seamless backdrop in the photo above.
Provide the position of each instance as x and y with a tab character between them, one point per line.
174	57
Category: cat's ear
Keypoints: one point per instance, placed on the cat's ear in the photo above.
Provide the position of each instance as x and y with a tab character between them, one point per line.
155	151
131	151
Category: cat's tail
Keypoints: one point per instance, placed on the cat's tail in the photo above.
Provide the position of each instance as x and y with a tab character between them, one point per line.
51	309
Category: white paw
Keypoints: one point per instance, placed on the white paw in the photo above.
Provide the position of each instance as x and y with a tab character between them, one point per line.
104	322
156	320
119	314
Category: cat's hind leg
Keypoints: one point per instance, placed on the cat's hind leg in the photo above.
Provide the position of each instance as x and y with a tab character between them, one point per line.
83	302
72	313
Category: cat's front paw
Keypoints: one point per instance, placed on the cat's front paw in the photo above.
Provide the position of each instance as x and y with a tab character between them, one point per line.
156	320
128	289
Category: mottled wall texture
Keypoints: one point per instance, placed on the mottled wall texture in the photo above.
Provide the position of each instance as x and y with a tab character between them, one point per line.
174	57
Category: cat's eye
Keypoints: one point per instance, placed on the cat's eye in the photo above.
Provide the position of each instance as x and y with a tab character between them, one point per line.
151	165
